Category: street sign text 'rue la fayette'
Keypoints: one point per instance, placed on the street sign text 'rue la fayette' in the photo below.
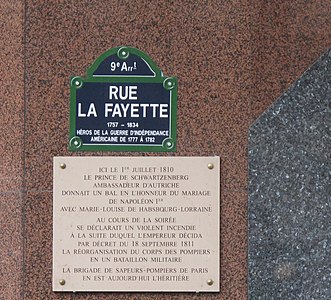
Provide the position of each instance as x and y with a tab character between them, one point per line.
124	104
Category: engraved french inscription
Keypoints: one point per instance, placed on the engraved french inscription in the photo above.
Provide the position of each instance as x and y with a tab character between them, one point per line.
136	224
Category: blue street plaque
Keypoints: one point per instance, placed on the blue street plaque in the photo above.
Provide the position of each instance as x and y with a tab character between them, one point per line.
124	104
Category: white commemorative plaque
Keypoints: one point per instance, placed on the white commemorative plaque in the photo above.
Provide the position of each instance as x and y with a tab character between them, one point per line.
147	224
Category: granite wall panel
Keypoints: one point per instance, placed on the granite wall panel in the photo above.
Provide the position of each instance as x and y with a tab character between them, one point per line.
38	247
11	95
210	37
287	37
64	44
11	246
11	149
232	60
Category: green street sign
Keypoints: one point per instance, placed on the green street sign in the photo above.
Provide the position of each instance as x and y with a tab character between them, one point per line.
124	104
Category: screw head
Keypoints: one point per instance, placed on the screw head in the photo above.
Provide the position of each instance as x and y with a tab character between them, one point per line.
62	282
76	82
169	83
63	165
210	166
75	142
210	282
123	53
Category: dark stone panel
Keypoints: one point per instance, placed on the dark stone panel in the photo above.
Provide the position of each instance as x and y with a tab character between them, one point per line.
289	192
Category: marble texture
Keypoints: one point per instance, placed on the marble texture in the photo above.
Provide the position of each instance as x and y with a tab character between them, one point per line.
11	149
167	36
11	96
232	60
290	192
11	246
38	248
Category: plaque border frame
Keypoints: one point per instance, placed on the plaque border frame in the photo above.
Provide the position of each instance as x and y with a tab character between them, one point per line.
64	164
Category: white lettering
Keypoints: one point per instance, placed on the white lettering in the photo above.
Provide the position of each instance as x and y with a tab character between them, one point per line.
163	110
80	114
108	108
136	110
125	108
92	111
113	90
123	92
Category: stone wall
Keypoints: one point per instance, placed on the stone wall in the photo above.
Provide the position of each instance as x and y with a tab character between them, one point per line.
232	60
